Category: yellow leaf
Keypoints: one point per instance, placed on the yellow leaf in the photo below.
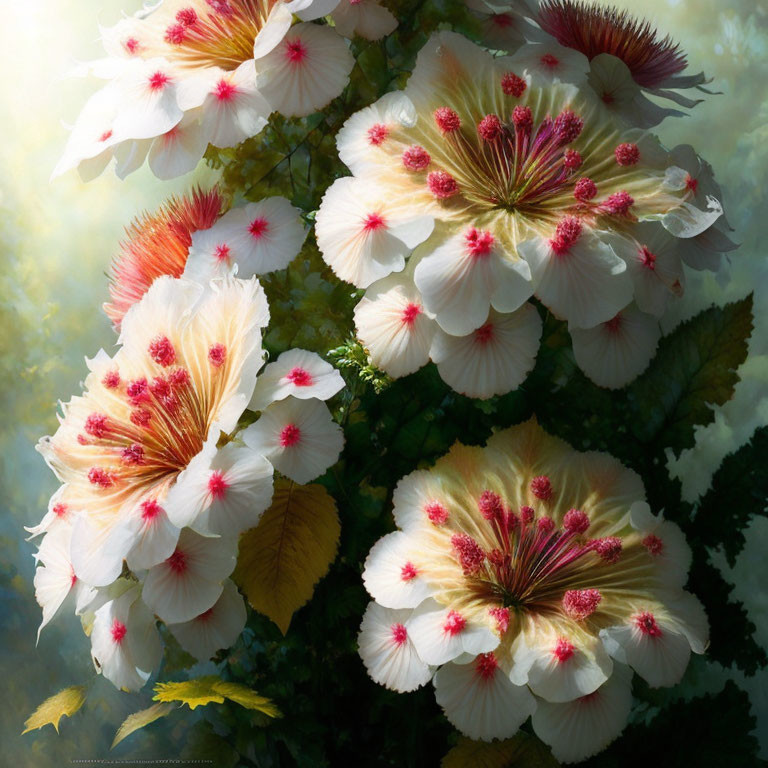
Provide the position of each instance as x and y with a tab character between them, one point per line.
289	551
194	693
522	751
204	690
140	719
65	702
247	697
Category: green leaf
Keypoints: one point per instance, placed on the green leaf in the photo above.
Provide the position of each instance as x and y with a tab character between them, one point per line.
694	369
65	702
739	490
521	751
289	551
139	719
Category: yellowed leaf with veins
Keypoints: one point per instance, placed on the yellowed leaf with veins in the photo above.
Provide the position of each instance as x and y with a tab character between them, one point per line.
139	719
204	690
65	702
521	751
291	549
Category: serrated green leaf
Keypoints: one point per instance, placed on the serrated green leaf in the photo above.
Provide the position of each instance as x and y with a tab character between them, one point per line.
694	369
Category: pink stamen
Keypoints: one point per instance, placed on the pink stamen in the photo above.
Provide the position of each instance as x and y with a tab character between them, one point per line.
572	159
575	521
584	190
186	16
541	487
567	232
161	351
175	34
100	477
579	604
647	258
489	128
609	548
513	85
527	515
111	380
377	134
60	510
217	354
132	455
436	512
416	158
501	617
97	425
442	185
447	120
469	553
691	184
627	154
619	203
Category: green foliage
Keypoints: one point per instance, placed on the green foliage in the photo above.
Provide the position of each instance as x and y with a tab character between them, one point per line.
694	369
522	751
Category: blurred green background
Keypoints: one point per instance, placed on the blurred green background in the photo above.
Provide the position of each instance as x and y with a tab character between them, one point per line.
57	239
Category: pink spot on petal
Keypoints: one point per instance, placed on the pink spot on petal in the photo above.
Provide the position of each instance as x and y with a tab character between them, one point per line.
479	243
399	634
300	377
295	51
646	623
549	61
158	81
501	617
289	435
217	485
410	313
408	571
373	222
258	228
150	509
177	562
222	252
647	259
60	510
653	544
118	631
224	90
563	650
486	666
454	623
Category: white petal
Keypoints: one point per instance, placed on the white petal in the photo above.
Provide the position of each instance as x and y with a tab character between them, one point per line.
393	326
458	285
393	573
494	359
387	651
190	581
363	237
365	18
297	373
299	437
305	71
179	150
586	285
437	644
482	707
217	628
361	150
668	547
614	353
579	729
